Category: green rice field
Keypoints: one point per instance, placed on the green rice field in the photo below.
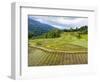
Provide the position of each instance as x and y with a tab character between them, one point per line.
65	50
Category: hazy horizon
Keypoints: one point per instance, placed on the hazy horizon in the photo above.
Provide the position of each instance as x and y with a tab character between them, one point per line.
61	22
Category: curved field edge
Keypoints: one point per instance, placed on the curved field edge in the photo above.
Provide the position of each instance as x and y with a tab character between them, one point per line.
65	50
56	51
39	57
66	42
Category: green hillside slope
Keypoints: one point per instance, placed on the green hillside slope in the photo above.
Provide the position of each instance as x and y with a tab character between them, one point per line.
69	41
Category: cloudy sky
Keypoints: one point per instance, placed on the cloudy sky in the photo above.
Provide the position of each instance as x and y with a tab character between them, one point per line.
61	22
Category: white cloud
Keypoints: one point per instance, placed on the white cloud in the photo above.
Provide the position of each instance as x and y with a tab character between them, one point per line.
61	22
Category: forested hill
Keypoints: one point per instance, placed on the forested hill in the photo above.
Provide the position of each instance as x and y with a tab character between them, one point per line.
36	28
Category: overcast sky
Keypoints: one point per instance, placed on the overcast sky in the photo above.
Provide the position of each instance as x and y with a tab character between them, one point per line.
61	22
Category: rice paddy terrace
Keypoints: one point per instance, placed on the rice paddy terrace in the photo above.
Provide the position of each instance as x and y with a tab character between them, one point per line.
66	50
44	57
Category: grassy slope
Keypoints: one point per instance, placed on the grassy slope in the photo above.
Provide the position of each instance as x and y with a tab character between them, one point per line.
67	42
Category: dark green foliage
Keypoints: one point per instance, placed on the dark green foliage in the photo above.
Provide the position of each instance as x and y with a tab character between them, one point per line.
55	33
69	30
82	30
30	35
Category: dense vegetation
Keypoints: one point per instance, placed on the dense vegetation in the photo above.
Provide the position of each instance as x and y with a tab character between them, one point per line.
54	33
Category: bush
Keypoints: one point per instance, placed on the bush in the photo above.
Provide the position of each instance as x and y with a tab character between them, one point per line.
30	35
53	34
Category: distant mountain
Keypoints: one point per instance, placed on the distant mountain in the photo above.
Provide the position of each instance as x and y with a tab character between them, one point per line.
37	28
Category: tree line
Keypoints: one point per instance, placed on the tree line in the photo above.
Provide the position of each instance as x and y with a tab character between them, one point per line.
55	33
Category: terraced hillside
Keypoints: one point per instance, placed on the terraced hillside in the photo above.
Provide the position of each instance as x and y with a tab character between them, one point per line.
40	57
57	40
65	50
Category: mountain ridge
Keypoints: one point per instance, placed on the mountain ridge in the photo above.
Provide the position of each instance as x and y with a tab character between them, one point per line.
38	28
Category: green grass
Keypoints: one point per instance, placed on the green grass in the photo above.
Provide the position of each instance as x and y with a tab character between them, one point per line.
67	42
